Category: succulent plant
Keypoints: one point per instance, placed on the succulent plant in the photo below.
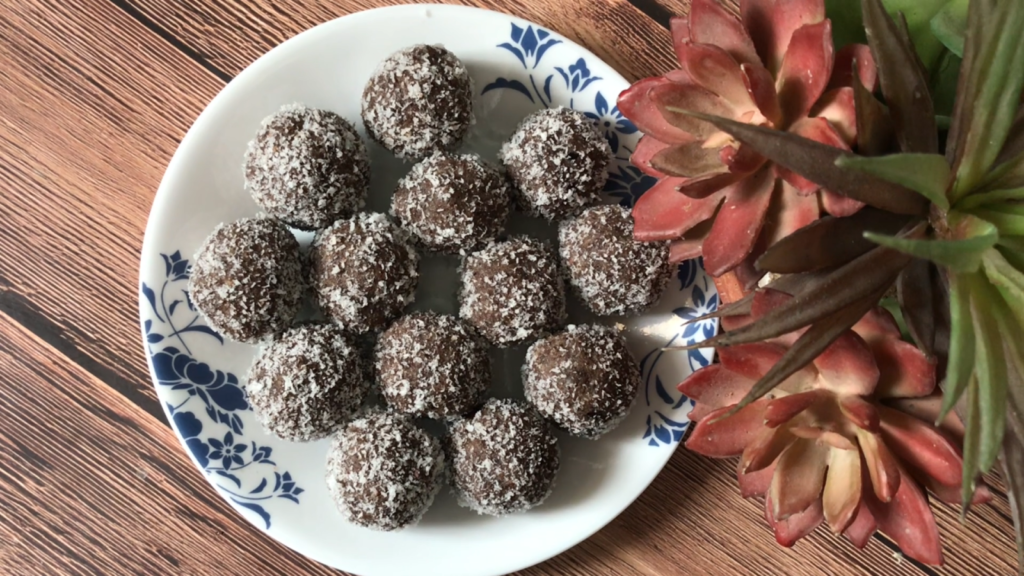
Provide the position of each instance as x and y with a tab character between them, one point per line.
849	439
773	66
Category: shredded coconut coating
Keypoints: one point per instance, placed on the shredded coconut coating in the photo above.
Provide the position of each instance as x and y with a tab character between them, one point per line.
383	472
584	380
610	271
246	279
419	100
307	167
452	203
432	365
364	272
306	383
558	162
503	460
512	291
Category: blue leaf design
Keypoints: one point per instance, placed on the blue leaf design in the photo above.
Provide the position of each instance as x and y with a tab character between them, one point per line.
691	330
574	84
151	296
687	274
589	81
174	305
288	497
203	329
544	48
671	422
277	481
529	42
255	508
613	140
542	34
232	477
647	434
511	85
517	33
698	296
709	330
565	76
663	434
167	264
624	125
258	489
686	313
515	50
154	338
147	326
660	389
600	104
547	87
677	435
679	403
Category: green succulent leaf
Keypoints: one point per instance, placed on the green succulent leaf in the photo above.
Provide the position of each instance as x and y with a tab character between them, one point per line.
919	15
991	371
972	447
989	93
944	82
949	25
1008	279
1009	174
926	174
1008	222
817	162
1013	472
960	365
963	255
847	26
986	198
904	82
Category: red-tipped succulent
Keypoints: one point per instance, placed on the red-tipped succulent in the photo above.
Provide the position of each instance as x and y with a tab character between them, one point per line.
848	439
773	66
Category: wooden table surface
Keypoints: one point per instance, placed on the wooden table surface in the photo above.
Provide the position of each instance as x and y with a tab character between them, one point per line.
94	97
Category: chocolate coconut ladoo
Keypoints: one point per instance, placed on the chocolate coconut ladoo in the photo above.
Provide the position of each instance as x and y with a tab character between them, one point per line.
364	272
583	380
610	271
503	460
247	279
306	383
432	365
307	167
419	101
558	162
512	291
452	202
383	472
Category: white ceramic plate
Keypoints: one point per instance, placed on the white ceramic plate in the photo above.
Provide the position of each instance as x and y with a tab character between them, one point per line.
279	486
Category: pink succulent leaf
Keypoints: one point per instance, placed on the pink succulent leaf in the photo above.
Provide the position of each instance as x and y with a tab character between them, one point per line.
878	323
838	108
819	130
735	322
848	57
755	483
921	446
714	387
645	150
799	478
951	494
683	250
882	466
863	525
861	412
636	103
690	97
738	223
789	212
747	274
838	205
680	28
806	69
928	409
910	523
729	436
708	185
766	300
784	408
792	529
847	366
765	450
906	372
751	360
771	24
761	86
741	159
841	497
712	68
690	160
663	213
712	24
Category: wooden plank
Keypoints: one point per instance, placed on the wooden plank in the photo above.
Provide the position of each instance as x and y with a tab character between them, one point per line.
92	107
90	484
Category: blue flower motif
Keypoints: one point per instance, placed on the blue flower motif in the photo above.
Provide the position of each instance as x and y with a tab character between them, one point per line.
578	77
227	451
189	427
628	184
610	120
285	487
662	430
181	372
177	268
529	45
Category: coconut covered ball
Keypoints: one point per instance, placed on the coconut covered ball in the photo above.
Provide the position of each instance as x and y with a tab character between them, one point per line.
512	291
558	163
432	365
418	101
452	202
247	279
503	460
307	167
306	383
612	272
383	472
363	271
583	380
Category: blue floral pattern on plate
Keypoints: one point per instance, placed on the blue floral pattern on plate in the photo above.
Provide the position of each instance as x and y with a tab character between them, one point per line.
220	447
